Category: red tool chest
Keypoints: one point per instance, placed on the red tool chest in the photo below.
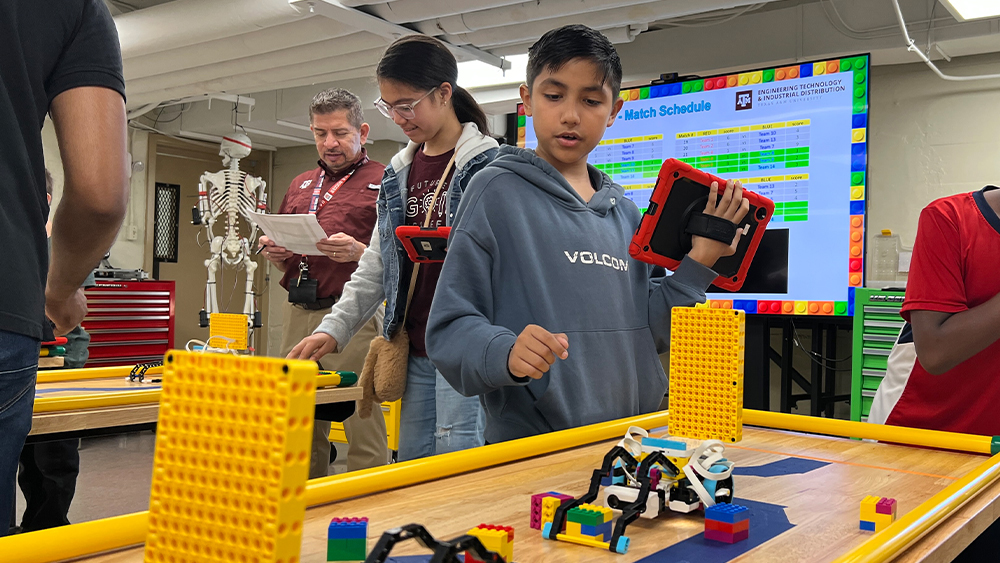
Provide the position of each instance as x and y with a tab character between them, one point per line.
129	321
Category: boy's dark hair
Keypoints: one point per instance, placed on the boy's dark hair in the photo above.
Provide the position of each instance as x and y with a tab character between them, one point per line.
560	46
48	182
422	63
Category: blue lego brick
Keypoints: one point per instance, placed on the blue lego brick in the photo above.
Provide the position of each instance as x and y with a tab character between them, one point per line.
850	309
347	530
850	295
859	120
675	89
858	207
661	443
858	163
858	148
605	481
747	305
868	526
602	530
806	70
729	513
657	91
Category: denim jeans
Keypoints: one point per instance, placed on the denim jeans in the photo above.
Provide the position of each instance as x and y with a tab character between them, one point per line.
434	418
18	364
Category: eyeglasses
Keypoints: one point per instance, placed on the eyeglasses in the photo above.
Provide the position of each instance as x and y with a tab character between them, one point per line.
404	111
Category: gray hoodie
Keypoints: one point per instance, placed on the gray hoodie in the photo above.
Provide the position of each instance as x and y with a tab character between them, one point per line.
526	249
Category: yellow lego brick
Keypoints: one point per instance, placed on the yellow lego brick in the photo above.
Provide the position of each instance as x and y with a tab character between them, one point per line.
234	437
549	506
706	373
858	135
226	325
496	541
868	505
882	521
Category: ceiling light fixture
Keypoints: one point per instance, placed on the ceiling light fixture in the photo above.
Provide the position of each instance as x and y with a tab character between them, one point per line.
965	10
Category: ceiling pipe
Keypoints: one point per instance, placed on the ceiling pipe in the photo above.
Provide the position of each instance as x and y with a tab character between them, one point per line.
406	11
617	36
603	19
308	31
187	22
264	65
523	12
302	73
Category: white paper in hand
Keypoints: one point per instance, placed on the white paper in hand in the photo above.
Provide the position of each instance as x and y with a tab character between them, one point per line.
297	233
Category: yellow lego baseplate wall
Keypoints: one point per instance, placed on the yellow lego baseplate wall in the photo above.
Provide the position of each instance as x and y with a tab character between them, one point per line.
228	325
707	348
233	442
391	413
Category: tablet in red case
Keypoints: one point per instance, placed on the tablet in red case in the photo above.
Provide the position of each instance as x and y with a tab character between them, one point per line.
424	245
680	192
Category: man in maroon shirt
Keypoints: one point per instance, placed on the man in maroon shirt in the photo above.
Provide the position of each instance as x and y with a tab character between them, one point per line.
341	192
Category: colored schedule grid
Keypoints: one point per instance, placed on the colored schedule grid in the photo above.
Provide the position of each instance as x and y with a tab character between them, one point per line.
629	158
750	148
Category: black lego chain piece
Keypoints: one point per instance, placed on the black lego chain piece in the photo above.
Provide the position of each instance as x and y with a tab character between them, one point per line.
443	551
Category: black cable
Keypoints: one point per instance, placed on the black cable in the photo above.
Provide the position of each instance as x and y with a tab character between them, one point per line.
813	355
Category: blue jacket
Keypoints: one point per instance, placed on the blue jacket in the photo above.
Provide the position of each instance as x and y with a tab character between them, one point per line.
384	262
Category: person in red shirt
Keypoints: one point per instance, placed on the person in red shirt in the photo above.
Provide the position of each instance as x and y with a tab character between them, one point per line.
341	192
943	370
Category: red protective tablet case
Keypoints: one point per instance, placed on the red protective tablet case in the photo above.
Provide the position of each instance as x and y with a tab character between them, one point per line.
424	246
681	190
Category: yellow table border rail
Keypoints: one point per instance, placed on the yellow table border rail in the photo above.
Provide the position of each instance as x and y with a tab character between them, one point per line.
91	538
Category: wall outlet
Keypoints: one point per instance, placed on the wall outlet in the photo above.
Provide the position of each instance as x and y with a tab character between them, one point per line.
132	232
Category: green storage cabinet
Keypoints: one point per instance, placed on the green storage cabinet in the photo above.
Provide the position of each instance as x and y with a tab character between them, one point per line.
876	325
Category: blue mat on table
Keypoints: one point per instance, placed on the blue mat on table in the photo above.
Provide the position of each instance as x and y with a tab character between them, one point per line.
767	521
787	466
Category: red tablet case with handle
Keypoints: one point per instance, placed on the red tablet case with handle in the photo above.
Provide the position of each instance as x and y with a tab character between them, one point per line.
680	192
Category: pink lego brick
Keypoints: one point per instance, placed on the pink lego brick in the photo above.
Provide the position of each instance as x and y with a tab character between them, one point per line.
886	506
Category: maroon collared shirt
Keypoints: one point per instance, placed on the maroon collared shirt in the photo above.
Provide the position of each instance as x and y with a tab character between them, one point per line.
351	211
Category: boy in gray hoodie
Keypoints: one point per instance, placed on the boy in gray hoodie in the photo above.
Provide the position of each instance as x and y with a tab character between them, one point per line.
539	309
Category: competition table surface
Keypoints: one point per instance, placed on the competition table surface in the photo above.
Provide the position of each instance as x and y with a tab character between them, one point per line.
81	402
804	492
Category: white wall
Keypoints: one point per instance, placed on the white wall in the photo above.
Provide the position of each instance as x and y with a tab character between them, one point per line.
125	253
929	138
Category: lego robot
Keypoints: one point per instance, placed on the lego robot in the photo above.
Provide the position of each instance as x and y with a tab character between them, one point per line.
227	195
646	477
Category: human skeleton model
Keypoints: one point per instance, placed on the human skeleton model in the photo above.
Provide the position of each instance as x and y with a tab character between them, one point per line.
225	195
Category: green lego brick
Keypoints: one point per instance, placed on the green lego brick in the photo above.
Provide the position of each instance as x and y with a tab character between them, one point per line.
521	120
686	87
857	178
860	76
860	106
840	308
347	550
769	75
698	86
585	517
643	93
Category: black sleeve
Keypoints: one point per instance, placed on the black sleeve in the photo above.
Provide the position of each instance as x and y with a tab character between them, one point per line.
92	55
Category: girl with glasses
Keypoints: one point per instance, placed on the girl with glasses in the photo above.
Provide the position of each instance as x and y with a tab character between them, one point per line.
449	142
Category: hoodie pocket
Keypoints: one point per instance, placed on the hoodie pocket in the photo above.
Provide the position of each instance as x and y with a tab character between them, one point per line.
608	375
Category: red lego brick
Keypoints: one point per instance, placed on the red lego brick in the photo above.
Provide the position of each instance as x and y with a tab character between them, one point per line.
726	527
726	538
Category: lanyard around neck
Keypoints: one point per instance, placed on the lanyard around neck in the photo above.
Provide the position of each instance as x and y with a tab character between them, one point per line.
316	204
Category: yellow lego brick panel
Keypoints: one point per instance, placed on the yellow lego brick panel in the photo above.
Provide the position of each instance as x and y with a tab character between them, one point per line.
234	437
707	349
228	325
497	541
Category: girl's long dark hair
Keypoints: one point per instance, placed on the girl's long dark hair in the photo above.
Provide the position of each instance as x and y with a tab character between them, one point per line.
422	63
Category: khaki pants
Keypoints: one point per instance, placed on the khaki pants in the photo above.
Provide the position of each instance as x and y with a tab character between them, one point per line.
367	442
